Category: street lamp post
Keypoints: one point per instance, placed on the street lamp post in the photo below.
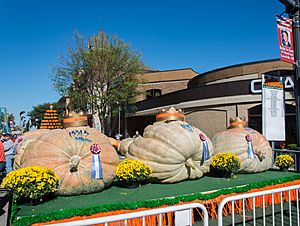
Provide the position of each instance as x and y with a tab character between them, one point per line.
119	119
292	8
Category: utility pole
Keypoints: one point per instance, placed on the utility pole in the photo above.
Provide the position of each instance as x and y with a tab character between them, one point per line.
292	8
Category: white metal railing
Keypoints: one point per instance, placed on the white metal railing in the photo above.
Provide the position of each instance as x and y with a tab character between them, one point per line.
285	191
183	216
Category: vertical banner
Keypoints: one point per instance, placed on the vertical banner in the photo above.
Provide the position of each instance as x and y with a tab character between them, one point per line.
285	38
4	127
273	108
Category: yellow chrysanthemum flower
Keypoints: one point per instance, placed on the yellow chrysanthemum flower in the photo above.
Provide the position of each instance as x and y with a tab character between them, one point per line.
284	161
31	182
132	170
226	163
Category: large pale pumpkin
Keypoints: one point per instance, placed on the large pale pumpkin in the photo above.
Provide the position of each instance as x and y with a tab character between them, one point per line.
235	141
124	145
173	151
68	153
26	139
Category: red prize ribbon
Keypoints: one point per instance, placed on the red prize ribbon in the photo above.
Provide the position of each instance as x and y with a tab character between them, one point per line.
95	149
248	138
202	137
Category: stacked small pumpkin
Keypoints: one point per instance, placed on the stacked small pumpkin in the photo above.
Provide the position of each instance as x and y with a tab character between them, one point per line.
68	153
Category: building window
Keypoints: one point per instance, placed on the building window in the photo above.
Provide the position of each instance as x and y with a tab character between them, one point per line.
153	93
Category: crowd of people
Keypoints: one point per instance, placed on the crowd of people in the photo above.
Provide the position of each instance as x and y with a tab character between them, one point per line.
8	148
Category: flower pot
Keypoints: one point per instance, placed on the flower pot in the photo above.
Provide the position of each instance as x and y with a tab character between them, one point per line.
226	175
132	185
284	169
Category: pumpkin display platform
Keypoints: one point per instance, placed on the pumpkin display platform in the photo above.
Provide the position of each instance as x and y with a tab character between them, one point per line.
115	200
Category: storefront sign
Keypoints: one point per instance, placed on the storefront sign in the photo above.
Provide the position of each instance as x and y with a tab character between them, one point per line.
285	37
273	108
255	85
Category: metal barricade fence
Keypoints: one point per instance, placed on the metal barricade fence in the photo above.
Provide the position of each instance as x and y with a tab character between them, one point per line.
5	206
286	216
183	216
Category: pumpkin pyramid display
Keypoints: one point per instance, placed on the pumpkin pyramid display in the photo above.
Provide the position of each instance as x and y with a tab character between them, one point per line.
173	149
50	120
82	158
252	148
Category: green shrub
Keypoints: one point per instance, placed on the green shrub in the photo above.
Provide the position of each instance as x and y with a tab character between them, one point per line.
292	146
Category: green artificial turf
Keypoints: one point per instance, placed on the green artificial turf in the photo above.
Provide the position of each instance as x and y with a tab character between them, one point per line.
116	195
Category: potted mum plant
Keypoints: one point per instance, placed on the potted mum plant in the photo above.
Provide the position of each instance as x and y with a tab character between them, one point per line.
284	162
31	184
132	173
225	164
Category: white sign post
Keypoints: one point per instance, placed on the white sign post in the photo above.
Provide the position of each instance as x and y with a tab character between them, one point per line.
273	108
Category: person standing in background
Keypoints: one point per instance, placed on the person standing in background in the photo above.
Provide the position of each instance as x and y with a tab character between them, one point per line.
2	162
17	139
2	158
9	148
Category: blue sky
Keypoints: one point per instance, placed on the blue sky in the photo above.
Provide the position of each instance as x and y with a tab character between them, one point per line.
169	34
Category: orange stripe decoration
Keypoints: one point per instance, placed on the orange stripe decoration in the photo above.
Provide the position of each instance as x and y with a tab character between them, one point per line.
74	119
237	123
169	116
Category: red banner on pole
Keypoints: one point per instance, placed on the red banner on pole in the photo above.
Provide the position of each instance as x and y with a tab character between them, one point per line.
286	42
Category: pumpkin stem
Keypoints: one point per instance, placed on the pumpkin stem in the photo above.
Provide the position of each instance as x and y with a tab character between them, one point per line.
74	162
190	163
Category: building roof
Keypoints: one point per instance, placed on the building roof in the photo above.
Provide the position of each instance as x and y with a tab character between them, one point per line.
170	75
256	67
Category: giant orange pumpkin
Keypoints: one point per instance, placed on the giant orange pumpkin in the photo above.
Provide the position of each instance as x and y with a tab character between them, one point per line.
26	139
68	153
235	141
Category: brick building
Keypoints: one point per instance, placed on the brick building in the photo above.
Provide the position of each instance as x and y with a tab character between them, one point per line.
210	99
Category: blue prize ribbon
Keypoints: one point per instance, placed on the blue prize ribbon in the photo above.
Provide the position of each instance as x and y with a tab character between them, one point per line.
205	150
97	167
250	151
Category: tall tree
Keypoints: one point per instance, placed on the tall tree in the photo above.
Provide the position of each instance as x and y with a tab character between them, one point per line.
100	74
